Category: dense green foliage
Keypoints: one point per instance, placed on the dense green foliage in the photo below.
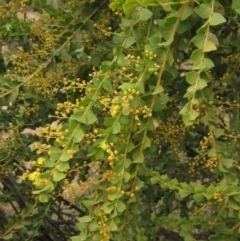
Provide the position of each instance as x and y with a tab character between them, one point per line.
119	120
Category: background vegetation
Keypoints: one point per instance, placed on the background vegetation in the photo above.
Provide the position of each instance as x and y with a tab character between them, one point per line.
119	120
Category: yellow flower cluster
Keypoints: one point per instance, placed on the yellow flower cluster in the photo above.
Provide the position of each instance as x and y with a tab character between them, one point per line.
127	193
129	94
230	59
202	162
169	129
122	138
117	12
150	54
143	110
64	109
95	72
127	74
30	111
104	146
218	196
92	136
111	189
106	102
114	110
105	228
212	163
50	132
102	25
108	175
133	59
40	161
156	67
40	147
129	102
71	152
112	154
106	31
34	177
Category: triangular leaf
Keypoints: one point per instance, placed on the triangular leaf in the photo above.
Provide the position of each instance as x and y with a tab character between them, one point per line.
145	14
217	19
88	118
158	90
58	176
